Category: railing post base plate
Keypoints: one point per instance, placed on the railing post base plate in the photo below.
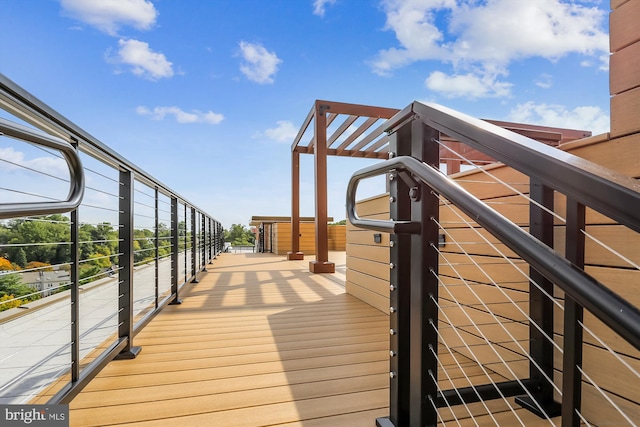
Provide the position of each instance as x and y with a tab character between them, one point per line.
295	256
132	353
551	408
384	422
176	302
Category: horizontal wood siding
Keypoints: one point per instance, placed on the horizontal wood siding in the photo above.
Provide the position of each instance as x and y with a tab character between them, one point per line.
368	261
337	237
282	238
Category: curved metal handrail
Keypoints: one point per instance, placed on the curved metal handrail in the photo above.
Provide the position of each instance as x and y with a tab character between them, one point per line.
614	311
76	174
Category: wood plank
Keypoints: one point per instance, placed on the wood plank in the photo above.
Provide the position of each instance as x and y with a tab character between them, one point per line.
625	109
623	69
374	205
374	284
371	268
624	29
375	253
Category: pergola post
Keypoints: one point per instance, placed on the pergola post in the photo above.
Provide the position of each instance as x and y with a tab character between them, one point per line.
322	263
295	253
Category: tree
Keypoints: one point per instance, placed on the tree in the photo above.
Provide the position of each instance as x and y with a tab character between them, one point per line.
40	265
239	235
9	301
5	264
21	257
54	230
11	284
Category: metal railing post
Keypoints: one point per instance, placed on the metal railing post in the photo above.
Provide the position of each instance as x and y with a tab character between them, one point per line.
424	282
157	248
211	240
399	295
573	313
205	246
413	286
540	308
75	297
186	229
125	260
175	251
194	246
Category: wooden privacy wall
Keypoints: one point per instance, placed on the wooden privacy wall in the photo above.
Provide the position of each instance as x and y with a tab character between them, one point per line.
282	238
337	237
468	296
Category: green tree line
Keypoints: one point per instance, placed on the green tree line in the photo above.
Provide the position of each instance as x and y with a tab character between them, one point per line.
239	235
46	241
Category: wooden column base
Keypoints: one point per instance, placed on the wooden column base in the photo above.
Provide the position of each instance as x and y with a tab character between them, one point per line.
322	267
295	256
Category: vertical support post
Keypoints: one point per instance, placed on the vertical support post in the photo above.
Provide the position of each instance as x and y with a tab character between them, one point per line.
125	259
157	248
211	235
186	243
295	253
194	245
425	209
204	239
322	263
75	296
573	314
413	287
540	308
175	251
399	292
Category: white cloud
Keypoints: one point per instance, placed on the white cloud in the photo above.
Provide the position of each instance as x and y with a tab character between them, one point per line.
109	15
484	37
319	6
589	118
159	113
14	160
544	81
467	85
260	65
413	22
285	131
144	62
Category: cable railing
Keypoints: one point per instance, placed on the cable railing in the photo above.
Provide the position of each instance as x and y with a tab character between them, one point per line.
91	248
510	280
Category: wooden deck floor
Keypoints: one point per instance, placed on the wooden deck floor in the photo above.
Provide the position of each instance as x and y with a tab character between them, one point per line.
258	341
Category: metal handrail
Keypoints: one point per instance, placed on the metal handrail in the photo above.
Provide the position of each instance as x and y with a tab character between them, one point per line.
76	174
611	309
588	183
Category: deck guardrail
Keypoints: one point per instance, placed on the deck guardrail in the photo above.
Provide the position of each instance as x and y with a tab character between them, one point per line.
153	239
417	191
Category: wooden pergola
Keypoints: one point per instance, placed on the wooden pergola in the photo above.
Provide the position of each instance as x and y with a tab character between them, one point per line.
361	133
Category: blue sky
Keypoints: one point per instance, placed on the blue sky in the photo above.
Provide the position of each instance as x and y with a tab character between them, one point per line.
207	95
